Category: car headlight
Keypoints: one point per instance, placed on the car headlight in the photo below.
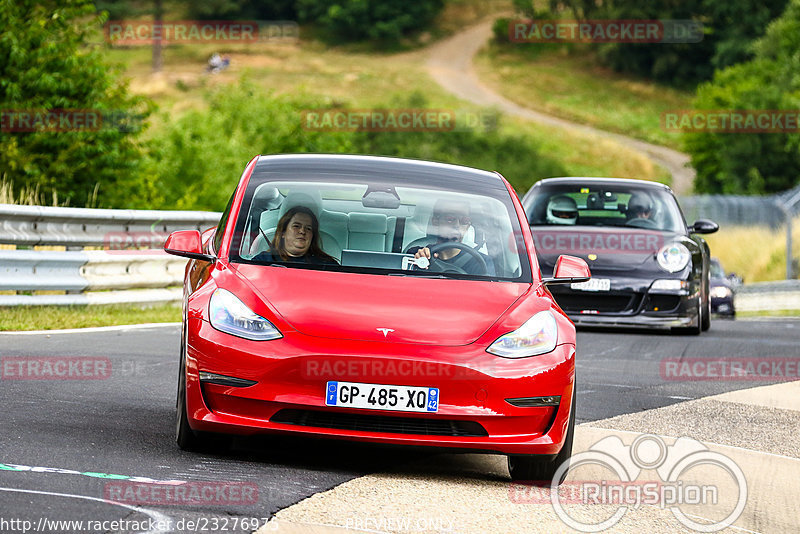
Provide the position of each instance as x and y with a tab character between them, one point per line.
538	335
669	285
721	292
228	314
673	258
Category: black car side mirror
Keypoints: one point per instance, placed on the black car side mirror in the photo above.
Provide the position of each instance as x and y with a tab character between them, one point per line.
703	226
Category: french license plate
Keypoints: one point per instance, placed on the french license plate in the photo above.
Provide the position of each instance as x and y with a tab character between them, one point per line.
593	284
382	397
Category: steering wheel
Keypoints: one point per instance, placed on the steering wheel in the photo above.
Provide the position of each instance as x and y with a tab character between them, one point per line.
641	223
444	267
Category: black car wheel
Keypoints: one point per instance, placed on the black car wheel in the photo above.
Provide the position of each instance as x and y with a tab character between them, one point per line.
185	437
695	329
542	469
705	323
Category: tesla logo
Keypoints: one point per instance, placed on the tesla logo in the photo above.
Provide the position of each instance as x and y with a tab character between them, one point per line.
385	331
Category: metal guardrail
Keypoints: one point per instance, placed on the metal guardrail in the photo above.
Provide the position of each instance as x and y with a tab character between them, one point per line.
113	275
41	225
116	275
768	296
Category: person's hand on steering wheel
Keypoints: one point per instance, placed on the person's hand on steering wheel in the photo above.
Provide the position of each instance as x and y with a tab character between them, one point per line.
432	255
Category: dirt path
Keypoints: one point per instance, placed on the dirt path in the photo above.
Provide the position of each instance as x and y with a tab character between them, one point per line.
450	64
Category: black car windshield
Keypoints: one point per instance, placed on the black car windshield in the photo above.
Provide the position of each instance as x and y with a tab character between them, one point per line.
591	204
375	223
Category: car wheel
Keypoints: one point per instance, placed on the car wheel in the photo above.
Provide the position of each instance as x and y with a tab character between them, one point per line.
538	468
693	330
186	438
705	322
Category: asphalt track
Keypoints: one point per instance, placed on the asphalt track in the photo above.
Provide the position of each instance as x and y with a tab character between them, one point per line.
54	432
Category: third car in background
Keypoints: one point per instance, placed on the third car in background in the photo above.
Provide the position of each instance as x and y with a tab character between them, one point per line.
722	289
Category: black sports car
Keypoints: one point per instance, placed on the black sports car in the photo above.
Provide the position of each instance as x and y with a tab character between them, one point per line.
722	290
649	269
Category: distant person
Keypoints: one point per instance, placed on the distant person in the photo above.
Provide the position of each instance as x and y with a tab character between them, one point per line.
217	63
562	210
297	240
639	207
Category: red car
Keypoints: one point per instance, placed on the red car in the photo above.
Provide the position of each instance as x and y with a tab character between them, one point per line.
377	299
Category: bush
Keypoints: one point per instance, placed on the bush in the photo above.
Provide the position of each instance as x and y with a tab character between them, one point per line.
47	65
753	163
374	20
195	162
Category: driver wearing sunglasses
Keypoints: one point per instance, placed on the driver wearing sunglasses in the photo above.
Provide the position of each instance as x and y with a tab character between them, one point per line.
450	222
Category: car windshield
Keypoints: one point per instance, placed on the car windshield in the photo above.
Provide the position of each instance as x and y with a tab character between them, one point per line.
587	204
716	270
375	223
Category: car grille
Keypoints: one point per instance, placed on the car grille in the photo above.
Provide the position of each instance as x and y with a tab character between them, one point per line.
379	423
604	303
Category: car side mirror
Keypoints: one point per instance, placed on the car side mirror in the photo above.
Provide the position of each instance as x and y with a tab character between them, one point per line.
703	226
569	269
187	243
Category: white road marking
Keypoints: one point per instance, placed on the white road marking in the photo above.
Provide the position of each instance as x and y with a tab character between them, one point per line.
89	330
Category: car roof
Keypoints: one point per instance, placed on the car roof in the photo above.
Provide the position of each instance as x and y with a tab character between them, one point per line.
602	181
366	164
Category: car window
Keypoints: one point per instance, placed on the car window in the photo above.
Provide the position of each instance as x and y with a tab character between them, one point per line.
595	205
370	225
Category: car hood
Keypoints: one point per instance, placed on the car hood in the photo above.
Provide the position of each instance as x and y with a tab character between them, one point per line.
603	248
362	306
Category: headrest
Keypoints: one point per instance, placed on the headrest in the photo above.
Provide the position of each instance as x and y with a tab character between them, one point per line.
371	223
310	199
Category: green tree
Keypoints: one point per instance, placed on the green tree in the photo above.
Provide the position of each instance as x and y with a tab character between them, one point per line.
374	20
750	162
730	28
47	65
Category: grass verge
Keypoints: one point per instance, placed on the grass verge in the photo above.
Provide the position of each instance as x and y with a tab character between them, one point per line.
757	254
341	77
57	317
574	86
766	314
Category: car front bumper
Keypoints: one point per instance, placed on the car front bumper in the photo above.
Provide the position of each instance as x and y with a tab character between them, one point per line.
631	303
291	375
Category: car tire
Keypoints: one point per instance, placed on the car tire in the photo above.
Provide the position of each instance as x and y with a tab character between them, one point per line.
539	468
693	330
705	323
186	438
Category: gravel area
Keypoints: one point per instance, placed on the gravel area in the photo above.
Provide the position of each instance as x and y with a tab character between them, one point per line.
768	429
